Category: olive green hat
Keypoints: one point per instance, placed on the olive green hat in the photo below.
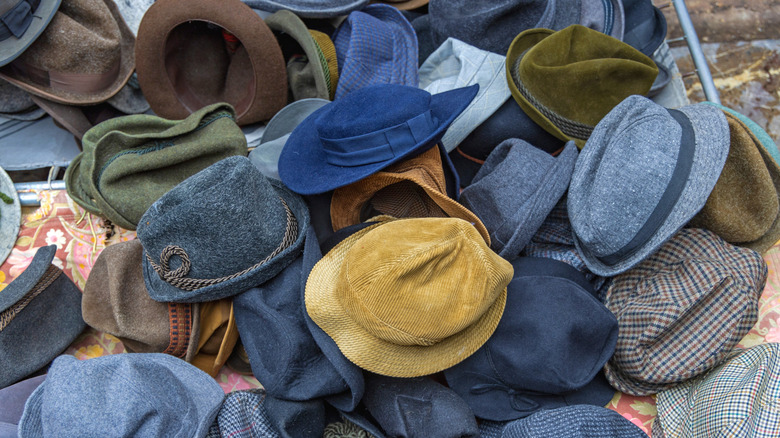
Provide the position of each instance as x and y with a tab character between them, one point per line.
567	81
129	162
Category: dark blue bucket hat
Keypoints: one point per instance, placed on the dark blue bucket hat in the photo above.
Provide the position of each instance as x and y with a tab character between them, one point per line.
12	400
364	132
580	421
528	364
220	232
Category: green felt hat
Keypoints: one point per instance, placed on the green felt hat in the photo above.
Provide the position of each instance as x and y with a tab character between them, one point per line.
567	81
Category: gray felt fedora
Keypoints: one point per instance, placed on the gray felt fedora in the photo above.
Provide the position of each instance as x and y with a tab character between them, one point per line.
40	315
23	22
220	232
10	215
140	394
516	189
643	174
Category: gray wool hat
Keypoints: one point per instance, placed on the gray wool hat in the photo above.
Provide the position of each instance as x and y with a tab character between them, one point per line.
516	189
16	103
220	232
10	215
139	394
309	8
643	174
40	315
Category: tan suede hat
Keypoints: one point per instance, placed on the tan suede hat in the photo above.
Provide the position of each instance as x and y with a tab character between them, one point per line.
192	53
83	57
409	297
411	188
116	302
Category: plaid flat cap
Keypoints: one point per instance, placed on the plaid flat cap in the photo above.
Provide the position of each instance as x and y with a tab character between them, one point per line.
243	415
737	399
682	311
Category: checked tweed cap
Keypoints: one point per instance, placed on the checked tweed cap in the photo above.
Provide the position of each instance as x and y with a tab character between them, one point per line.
682	311
737	399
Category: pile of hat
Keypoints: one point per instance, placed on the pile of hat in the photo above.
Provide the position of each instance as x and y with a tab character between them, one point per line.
443	231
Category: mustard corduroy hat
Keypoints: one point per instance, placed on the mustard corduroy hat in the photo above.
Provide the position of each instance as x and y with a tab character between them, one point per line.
409	297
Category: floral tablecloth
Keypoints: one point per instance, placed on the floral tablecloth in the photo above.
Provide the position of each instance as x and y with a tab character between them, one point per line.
80	237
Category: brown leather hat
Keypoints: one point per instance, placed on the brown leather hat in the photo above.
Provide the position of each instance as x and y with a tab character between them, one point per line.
83	57
192	53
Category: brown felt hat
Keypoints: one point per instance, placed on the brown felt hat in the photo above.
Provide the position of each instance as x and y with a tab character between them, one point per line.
192	53
411	188
115	301
84	57
744	206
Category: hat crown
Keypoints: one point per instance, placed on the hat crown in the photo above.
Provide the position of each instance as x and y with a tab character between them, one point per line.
433	282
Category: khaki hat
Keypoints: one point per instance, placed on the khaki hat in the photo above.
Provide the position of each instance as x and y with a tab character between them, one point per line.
116	301
83	57
329	59
192	53
744	206
409	297
411	188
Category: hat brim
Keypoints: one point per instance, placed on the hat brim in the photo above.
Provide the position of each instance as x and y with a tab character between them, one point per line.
10	220
126	67
285	121
304	154
403	5
376	355
11	48
75	189
129	100
310	8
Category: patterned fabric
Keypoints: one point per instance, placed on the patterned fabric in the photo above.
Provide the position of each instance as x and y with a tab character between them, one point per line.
681	311
243	415
738	399
345	429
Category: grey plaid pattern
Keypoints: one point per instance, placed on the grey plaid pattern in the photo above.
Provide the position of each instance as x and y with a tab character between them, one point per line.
243	415
738	399
682	311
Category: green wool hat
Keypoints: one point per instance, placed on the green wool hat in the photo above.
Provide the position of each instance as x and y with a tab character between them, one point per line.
567	81
129	162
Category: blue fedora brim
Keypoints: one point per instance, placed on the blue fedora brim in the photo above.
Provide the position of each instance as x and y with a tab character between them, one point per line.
303	164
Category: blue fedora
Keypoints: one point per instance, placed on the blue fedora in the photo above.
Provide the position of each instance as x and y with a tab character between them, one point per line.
364	132
529	364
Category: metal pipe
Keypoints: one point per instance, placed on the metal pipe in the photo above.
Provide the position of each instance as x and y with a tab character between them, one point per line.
694	46
26	191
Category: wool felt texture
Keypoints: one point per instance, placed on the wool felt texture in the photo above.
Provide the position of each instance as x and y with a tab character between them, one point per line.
682	311
130	99
265	236
457	64
366	294
312	81
527	366
644	173
296	419
516	189
581	421
10	216
331	68
417	407
415	187
310	8
83	57
184	61
13	99
347	140
744	206
375	45
126	394
129	162
735	398
266	155
755	129
567	81
21	30
40	312
243	415
645	25
12	399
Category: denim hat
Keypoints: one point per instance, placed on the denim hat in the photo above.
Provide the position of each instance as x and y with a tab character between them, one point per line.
364	132
656	163
738	398
40	315
375	45
645	27
491	25
682	311
12	399
23	21
243	415
514	207
528	364
259	232
266	155
579	421
417	407
10	215
144	394
309	8
457	64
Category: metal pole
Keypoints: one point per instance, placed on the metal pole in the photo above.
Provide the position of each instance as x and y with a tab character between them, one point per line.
30	198
702	69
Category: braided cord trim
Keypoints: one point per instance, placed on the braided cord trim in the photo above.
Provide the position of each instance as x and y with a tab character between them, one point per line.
10	313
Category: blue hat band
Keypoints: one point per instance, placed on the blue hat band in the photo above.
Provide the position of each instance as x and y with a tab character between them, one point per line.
16	20
379	146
